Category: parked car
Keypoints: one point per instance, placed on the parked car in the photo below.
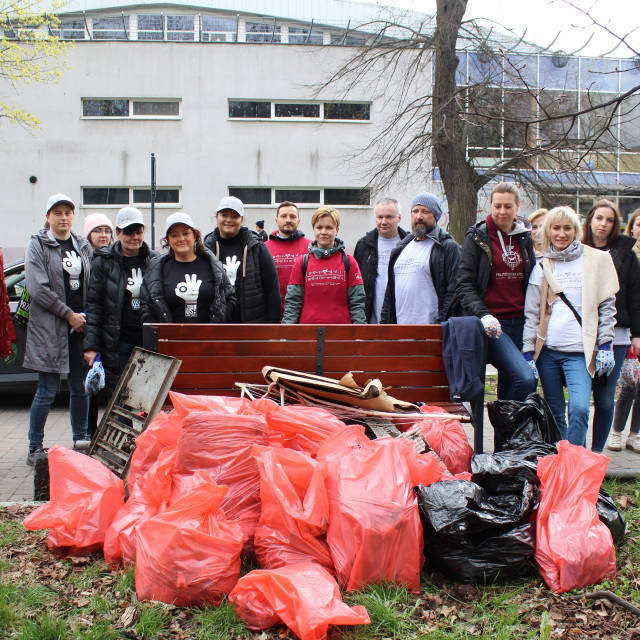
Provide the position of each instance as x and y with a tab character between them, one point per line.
13	377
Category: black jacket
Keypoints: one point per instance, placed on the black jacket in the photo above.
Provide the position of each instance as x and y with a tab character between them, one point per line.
475	270
257	285
628	296
366	255
443	265
107	288
154	307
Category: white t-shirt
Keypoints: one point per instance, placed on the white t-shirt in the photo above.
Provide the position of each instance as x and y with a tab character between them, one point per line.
564	333
385	247
416	297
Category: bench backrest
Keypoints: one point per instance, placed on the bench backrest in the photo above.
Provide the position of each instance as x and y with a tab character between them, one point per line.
407	358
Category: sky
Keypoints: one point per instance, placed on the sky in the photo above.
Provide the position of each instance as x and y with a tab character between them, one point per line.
544	19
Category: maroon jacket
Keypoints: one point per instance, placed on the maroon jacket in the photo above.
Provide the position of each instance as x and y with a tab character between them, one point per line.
7	330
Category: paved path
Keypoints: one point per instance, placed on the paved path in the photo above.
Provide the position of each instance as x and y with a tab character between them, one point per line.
16	478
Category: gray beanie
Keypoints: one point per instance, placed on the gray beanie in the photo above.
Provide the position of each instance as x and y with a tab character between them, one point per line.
430	201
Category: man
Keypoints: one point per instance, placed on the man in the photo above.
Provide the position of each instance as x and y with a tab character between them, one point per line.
287	243
248	264
114	326
372	254
423	269
260	232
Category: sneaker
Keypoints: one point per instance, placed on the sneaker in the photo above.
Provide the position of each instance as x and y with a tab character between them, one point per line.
633	442
81	445
615	441
31	456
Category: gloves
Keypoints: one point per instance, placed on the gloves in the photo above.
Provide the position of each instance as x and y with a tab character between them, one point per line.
604	360
630	373
491	326
528	356
95	380
11	358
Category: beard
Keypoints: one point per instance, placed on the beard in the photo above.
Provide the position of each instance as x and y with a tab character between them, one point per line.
420	229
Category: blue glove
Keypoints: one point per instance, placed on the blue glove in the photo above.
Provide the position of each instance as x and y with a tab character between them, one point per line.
95	380
528	356
604	360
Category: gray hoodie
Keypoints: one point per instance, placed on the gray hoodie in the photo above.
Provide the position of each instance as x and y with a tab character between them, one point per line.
47	346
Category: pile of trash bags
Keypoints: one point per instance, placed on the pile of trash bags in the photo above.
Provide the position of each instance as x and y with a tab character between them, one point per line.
321	507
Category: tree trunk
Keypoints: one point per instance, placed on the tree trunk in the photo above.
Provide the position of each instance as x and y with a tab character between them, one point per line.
459	178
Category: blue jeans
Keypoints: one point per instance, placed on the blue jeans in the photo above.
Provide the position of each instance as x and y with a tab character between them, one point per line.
515	377
552	364
48	385
604	403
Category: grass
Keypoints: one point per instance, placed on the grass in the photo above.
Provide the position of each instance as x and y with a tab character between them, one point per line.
42	598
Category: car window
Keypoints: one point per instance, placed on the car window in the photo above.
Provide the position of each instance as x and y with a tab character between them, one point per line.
15	284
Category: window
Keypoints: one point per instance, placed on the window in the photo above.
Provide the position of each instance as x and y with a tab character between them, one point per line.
130	108
297	110
111	28
347	111
121	196
262	32
354	111
347	40
302	197
180	28
72	29
238	109
150	27
302	36
218	29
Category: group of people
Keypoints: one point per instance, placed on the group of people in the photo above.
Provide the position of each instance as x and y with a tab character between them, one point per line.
558	300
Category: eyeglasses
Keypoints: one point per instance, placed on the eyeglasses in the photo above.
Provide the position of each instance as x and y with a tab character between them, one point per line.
130	231
102	230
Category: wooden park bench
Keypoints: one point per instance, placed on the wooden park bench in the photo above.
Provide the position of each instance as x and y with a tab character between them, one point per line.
407	358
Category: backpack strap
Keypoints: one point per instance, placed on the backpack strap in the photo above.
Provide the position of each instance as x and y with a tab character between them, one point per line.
305	264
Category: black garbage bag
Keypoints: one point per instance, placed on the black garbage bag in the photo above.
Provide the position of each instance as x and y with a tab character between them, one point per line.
471	535
522	422
611	516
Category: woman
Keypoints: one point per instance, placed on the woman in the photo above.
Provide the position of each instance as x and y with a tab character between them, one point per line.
98	230
602	230
114	326
57	275
495	265
537	220
325	284
570	309
187	284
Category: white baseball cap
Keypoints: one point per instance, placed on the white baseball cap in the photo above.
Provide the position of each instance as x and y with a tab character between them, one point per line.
233	203
178	218
60	198
128	216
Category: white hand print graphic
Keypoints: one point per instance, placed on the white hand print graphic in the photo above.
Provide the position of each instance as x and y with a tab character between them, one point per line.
188	291
72	264
133	285
231	267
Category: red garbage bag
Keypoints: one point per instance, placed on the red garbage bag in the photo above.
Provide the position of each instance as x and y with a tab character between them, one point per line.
295	509
189	555
374	532
185	404
304	596
296	426
162	432
149	496
448	439
84	499
424	468
221	444
574	548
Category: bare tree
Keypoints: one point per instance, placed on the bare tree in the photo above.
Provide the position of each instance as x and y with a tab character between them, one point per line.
486	118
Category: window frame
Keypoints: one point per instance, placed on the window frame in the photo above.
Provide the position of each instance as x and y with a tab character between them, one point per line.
131	189
314	103
233	190
132	115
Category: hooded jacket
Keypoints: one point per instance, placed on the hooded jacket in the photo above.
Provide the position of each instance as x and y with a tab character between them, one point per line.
47	347
257	289
296	292
107	289
7	330
443	266
475	267
154	307
284	252
366	255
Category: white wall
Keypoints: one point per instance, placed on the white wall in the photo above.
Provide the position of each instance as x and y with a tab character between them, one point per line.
203	153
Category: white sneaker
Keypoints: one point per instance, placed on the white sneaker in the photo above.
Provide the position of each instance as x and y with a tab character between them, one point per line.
615	441
633	442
